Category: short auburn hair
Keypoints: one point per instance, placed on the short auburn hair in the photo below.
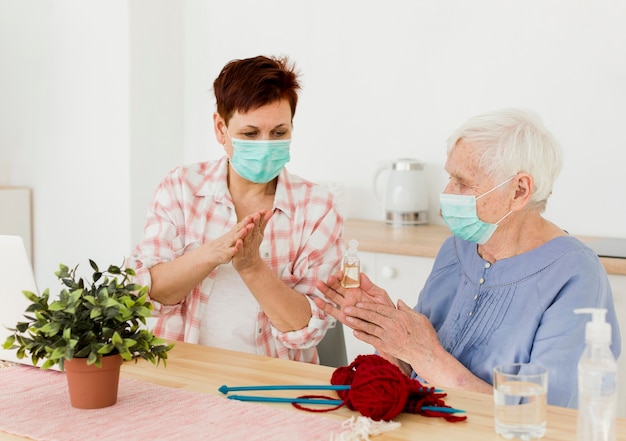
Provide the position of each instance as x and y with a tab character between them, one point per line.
250	83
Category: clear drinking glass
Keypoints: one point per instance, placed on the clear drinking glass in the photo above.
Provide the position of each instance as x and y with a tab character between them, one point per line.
520	393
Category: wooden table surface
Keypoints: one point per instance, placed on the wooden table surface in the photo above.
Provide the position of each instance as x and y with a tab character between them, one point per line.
203	369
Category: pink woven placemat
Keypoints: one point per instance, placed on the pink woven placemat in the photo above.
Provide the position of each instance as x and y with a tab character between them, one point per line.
35	404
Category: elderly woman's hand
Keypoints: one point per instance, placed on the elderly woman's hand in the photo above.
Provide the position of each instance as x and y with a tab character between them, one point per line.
399	332
345	297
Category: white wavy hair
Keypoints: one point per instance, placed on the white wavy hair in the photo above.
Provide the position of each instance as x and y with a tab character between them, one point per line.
511	141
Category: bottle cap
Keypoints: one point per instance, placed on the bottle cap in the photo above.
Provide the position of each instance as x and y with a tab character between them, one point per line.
597	330
352	247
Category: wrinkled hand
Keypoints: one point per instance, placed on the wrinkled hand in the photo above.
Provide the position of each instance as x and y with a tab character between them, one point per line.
401	333
345	297
248	254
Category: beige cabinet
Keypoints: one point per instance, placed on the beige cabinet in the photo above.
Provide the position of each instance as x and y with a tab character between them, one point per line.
618	285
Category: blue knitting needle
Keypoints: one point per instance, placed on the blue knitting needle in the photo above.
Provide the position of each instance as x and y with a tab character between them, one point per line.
225	389
322	401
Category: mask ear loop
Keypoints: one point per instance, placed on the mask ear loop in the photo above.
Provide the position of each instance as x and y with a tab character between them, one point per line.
495	188
504	217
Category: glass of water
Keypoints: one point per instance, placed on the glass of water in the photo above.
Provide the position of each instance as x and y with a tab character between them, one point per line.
520	393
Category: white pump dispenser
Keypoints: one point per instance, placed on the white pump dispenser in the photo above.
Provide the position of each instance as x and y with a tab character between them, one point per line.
351	266
597	381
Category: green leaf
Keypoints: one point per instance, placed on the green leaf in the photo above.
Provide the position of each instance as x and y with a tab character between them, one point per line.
57	353
117	339
57	306
129	342
94	359
47	364
63	271
143	312
31	296
50	329
106	349
93	265
75	296
8	343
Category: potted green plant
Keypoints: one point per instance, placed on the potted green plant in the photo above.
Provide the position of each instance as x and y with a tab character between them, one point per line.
89	326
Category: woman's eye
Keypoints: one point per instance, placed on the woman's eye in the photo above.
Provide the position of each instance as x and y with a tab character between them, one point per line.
250	134
280	134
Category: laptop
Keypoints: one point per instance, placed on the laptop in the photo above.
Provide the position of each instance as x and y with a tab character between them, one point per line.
16	275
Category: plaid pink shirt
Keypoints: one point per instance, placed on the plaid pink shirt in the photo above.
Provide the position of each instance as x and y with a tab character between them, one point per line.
302	243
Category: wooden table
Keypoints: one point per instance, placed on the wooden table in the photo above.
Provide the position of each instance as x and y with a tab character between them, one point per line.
203	369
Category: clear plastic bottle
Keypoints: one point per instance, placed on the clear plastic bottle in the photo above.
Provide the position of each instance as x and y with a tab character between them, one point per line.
597	381
351	266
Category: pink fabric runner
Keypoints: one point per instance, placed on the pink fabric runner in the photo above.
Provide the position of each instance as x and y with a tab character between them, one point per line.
35	404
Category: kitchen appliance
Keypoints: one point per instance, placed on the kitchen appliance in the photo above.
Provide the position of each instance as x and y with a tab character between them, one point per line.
404	194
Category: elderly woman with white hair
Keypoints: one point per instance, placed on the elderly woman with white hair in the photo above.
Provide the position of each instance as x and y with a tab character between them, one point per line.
505	286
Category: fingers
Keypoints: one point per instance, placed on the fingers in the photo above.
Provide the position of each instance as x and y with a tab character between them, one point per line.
370	318
366	283
330	309
370	310
267	216
403	306
329	292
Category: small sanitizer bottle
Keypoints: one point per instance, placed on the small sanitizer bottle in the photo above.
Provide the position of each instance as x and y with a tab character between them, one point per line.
351	266
597	381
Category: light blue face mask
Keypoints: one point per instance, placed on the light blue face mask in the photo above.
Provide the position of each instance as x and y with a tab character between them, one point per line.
459	213
259	161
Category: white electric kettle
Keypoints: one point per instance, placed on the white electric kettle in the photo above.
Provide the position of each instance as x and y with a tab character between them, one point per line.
405	192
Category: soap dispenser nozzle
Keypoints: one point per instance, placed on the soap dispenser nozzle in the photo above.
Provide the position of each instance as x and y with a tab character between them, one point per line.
597	330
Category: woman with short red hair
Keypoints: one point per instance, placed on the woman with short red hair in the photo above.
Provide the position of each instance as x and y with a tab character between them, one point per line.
233	247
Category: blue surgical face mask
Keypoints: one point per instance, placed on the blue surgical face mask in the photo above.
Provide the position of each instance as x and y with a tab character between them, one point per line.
259	161
459	213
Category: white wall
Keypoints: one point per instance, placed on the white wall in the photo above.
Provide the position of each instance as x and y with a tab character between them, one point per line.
384	80
99	98
64	126
156	100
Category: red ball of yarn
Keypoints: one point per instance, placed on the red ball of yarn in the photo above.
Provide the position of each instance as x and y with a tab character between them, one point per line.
378	393
379	389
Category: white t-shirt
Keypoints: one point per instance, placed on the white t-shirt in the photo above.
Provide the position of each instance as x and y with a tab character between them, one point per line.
230	316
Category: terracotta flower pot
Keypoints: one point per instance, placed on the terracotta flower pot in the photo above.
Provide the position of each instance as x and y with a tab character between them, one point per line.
93	387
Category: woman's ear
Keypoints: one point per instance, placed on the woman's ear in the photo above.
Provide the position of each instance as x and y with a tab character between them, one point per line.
523	191
219	126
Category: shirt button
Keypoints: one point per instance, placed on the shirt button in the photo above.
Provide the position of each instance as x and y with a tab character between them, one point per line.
481	281
487	265
470	313
260	330
475	296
